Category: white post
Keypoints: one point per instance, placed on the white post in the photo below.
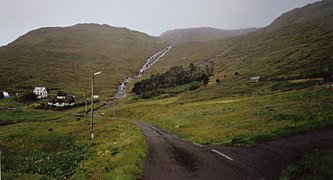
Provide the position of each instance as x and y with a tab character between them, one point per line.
92	109
0	165
92	106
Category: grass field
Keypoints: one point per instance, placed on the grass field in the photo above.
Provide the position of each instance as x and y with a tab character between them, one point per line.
46	144
236	120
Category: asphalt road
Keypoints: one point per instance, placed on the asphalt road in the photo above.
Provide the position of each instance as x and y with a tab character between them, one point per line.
169	157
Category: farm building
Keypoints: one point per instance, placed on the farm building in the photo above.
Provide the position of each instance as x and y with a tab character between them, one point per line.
41	92
5	94
62	99
255	79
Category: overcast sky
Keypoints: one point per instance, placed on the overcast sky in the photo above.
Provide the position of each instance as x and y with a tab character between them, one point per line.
153	17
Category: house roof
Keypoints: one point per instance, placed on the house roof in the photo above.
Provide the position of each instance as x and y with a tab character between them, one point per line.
255	77
40	88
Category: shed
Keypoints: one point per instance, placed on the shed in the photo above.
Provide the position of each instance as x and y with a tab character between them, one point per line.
255	79
6	95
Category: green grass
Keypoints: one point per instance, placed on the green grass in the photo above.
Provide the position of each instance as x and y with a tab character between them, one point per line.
63	149
15	116
237	120
315	165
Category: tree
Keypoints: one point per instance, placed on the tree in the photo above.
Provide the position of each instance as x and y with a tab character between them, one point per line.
137	88
29	96
204	78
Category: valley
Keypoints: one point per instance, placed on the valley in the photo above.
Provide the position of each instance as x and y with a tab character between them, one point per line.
250	89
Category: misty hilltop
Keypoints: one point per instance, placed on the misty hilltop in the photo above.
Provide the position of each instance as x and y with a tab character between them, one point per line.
318	11
201	34
296	45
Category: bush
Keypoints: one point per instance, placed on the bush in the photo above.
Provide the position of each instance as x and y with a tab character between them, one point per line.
29	96
194	85
176	76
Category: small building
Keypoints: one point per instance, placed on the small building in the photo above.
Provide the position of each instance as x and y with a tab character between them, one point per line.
62	99
41	92
255	79
6	95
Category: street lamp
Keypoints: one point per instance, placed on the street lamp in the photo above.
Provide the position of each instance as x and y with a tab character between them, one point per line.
92	105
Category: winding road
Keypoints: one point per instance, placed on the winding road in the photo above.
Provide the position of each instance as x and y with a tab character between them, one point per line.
169	157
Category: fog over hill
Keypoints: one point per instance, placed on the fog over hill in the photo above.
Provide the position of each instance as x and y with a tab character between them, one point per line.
200	34
299	44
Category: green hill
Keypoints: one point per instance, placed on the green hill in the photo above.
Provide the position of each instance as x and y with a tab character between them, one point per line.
65	57
294	62
312	12
302	49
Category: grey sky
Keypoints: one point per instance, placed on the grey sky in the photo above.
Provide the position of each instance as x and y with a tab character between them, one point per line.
153	17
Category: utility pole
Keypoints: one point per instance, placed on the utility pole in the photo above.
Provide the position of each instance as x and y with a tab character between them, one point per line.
114	105
0	164
85	106
92	106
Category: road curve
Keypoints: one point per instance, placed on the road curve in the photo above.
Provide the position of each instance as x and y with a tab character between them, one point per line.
169	157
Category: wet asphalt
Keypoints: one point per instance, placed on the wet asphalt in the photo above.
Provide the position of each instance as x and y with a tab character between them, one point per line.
169	157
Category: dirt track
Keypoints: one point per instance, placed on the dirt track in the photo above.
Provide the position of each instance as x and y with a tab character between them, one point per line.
172	158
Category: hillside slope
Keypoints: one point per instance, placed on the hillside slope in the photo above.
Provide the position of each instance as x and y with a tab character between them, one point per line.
277	52
65	57
200	34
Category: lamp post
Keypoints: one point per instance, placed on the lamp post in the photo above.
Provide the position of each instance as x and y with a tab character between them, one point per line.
92	105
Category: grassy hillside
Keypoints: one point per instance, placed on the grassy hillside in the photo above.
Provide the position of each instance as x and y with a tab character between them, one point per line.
202	34
303	49
65	57
291	59
293	62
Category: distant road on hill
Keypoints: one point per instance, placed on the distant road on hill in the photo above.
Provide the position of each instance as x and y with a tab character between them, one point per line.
172	158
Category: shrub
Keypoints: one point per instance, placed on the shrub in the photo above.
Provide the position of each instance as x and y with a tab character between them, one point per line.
194	85
26	97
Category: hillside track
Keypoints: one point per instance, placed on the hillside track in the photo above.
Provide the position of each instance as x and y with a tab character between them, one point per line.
169	157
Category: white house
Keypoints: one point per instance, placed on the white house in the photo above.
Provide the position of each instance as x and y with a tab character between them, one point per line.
41	92
255	79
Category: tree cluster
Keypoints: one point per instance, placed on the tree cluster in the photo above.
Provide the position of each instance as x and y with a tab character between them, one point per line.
27	97
175	76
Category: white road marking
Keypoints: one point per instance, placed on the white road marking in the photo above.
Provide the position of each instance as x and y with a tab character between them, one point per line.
197	144
218	152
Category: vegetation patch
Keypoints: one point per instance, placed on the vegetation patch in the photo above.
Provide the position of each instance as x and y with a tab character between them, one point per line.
10	116
236	120
62	149
175	80
315	165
